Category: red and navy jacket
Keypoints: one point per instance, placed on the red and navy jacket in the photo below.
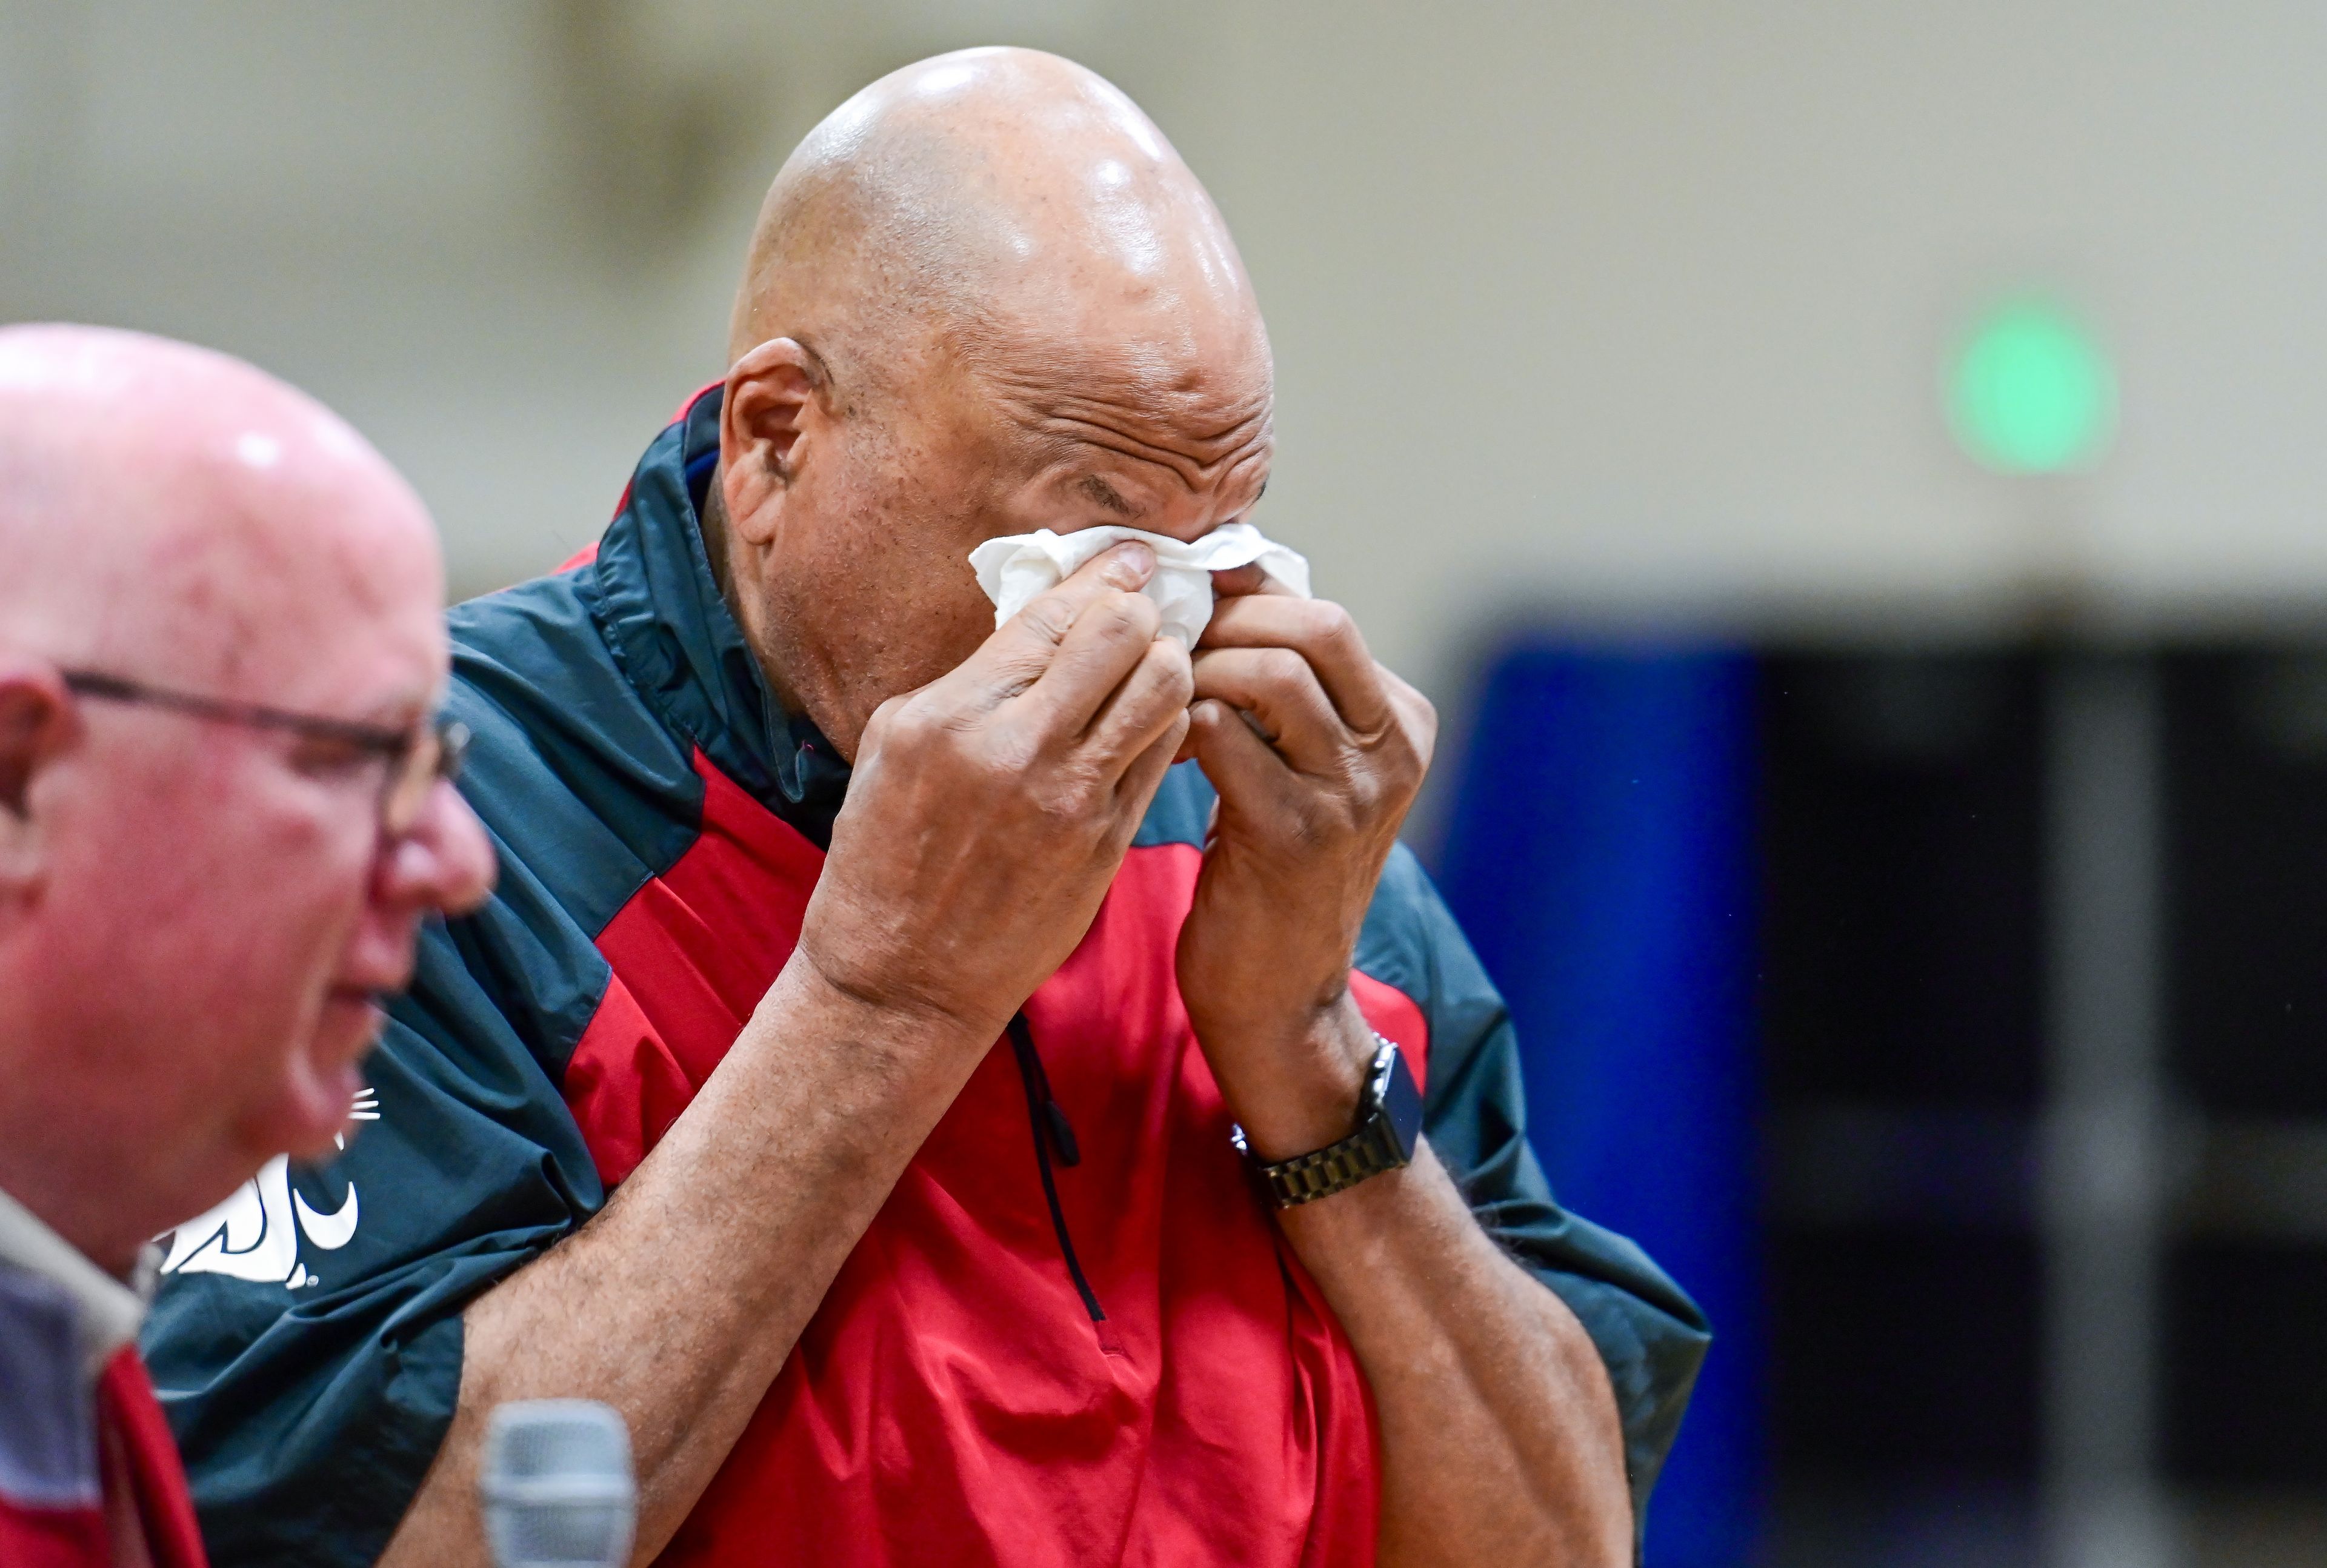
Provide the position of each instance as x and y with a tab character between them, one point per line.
1073	1335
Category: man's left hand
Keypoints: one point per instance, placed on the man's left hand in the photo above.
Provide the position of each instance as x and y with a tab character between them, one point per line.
1317	752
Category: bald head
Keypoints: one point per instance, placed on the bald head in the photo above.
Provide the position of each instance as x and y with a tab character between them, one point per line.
165	508
985	296
1012	203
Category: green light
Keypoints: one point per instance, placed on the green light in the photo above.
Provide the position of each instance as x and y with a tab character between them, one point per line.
2030	392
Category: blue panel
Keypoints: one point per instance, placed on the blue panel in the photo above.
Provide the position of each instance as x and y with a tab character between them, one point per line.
1600	853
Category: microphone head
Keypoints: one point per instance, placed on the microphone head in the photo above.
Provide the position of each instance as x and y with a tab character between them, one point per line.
557	1486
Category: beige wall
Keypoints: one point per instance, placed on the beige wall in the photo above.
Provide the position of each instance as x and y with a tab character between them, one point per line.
1634	310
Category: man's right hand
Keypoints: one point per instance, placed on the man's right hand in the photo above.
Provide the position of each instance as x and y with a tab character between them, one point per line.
989	810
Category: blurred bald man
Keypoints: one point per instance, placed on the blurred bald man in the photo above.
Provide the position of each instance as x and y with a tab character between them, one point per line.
223	814
843	1084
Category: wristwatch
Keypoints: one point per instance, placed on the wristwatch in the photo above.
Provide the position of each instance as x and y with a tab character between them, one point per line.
1389	1123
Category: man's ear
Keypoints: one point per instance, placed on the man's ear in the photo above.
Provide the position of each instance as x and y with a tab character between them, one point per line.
35	714
768	426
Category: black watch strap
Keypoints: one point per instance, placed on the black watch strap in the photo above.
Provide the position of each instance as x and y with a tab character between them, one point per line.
1390	1124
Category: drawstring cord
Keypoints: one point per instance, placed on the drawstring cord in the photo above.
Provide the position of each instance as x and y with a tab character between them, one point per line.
1053	1133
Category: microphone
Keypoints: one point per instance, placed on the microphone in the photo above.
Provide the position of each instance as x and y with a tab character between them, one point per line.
557	1487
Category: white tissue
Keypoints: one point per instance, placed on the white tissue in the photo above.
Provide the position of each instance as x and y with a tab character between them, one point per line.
1015	569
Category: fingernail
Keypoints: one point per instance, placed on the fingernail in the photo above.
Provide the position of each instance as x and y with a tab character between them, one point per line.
1129	564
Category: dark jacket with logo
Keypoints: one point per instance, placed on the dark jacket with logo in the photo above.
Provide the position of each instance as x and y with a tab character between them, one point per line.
1057	1344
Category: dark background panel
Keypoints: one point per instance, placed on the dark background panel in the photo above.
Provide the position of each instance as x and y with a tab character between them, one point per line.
2247	879
1901	1353
1900	821
2246	1364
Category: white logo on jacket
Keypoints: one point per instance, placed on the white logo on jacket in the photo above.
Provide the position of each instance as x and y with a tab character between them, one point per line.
255	1233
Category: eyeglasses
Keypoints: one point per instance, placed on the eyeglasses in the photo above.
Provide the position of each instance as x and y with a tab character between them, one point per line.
418	758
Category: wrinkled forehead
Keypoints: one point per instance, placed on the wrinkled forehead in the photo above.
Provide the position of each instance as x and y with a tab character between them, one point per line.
1141	418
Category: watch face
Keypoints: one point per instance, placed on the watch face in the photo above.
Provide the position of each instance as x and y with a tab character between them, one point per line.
1401	1103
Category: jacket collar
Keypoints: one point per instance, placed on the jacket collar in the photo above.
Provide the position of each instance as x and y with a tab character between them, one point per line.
107	1311
681	648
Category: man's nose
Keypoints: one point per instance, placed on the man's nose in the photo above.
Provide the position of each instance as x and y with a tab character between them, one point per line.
445	863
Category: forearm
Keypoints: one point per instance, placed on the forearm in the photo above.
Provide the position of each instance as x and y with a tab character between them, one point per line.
679	1303
1500	1436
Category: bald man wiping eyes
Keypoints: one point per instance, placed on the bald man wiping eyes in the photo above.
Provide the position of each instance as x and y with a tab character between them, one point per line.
843	1083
